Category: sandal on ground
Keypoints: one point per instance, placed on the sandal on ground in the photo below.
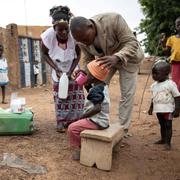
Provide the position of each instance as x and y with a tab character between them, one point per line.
60	130
127	134
76	155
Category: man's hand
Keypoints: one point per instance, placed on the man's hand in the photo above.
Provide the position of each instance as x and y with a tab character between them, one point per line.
108	61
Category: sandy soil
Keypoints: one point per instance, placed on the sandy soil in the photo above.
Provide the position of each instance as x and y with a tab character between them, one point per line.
136	158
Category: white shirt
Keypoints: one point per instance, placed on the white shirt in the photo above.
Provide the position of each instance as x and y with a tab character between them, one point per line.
101	118
3	71
163	94
36	69
62	58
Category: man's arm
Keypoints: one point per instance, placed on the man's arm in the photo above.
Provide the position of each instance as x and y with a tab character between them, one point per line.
129	43
130	48
86	57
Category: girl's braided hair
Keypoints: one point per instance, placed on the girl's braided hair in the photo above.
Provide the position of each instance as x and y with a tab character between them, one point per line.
60	13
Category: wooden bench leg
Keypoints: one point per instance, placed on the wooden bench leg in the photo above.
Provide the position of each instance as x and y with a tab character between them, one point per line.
96	152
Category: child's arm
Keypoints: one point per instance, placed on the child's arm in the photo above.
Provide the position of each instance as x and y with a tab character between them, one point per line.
96	109
177	106
150	108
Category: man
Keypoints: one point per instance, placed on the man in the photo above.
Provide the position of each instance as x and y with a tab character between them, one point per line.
107	38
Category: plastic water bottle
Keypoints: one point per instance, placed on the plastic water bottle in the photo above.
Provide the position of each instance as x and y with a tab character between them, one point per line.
63	86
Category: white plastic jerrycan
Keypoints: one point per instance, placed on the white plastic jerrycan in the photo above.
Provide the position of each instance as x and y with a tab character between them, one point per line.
63	86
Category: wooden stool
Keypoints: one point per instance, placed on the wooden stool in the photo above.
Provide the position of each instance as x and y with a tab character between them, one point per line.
97	146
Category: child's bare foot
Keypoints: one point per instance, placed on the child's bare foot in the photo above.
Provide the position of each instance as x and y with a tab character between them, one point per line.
167	147
4	102
160	142
76	155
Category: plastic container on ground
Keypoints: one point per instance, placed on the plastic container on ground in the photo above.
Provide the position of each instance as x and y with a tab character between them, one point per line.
15	124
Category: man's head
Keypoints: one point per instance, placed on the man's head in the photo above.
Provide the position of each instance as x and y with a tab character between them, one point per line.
161	70
83	30
1	50
60	20
177	24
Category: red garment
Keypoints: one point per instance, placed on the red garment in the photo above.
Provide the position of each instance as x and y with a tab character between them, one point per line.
167	116
175	72
75	129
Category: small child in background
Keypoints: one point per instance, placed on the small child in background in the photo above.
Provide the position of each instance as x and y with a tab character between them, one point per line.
96	109
36	72
4	80
165	101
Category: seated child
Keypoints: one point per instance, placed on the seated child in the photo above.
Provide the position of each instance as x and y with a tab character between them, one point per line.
96	109
165	101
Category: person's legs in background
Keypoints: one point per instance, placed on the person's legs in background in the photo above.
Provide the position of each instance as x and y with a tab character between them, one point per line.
127	81
3	94
175	70
74	131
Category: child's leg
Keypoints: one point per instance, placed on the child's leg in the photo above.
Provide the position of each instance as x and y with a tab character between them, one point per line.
76	128
74	131
168	133
162	128
3	94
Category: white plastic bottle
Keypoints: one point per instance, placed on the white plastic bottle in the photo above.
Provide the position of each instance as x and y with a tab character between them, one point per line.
63	86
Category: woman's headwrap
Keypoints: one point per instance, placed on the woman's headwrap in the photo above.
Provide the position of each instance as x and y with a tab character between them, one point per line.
60	14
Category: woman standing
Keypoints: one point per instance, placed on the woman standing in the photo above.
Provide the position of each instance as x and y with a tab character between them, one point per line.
62	54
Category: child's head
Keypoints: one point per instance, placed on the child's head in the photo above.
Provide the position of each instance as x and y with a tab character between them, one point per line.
96	73
161	70
177	24
1	50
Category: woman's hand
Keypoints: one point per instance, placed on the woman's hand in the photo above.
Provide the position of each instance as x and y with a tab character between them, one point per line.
58	73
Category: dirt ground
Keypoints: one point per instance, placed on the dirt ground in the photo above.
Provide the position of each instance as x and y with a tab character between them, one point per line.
136	158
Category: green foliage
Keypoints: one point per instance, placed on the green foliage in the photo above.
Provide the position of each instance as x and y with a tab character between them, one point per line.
160	16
